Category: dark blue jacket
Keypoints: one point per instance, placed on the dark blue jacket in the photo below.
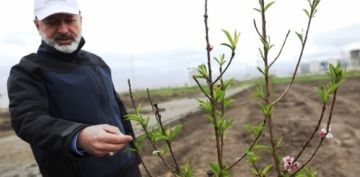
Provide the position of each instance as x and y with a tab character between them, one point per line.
52	96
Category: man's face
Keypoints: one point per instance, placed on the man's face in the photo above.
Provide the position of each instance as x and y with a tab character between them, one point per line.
61	31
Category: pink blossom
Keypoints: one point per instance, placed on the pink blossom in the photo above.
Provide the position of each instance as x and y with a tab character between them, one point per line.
323	133
290	165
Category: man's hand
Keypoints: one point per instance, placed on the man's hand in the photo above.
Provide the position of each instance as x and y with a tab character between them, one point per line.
102	140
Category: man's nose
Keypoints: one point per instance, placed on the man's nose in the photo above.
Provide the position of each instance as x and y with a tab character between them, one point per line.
63	28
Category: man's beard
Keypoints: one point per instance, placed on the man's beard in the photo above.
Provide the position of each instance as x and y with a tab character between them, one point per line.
62	48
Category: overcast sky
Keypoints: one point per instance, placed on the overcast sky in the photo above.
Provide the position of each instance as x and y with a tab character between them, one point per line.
154	42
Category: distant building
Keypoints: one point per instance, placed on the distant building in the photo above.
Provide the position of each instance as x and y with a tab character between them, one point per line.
355	58
320	66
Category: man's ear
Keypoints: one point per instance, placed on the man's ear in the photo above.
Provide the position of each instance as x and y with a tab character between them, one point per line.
36	23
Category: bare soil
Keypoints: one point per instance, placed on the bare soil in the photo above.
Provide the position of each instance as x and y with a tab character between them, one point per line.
294	119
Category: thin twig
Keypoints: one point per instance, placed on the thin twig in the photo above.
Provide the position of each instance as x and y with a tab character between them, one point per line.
157	113
313	133
137	150
155	108
250	148
148	134
257	30
211	86
299	59
201	88
322	138
281	49
227	66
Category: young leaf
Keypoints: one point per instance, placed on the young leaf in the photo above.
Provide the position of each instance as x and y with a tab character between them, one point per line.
227	102
323	92
266	109
259	92
174	131
300	36
202	70
223	125
205	105
265	170
221	61
185	170
268	5
307	13
158	136
258	10
260	70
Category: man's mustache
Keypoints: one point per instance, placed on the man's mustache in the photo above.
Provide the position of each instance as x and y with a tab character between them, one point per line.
63	37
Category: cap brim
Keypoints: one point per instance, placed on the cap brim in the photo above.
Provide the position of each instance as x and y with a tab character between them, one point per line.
55	10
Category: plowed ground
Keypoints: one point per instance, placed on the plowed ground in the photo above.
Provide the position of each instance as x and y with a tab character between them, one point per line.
294	119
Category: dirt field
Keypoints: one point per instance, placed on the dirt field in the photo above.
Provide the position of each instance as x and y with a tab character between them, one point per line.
295	118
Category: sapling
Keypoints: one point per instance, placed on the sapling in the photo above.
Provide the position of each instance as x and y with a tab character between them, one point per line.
156	135
216	103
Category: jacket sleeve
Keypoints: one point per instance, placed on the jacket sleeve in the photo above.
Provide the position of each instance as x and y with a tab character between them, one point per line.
29	111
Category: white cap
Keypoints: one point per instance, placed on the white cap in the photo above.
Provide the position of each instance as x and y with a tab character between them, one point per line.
45	8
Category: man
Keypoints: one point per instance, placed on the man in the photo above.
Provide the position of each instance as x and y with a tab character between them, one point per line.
63	103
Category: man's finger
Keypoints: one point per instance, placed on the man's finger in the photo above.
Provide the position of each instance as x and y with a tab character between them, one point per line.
117	139
112	129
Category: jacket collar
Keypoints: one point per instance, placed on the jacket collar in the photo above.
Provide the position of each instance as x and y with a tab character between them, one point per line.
49	51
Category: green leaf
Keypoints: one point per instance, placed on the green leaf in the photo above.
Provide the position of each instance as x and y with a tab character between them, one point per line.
280	142
139	141
227	45
205	105
233	40
258	147
306	172
230	39
215	167
323	92
162	151
202	70
158	136
266	170
260	70
174	131
306	12
223	125
266	109
258	10
186	170
227	102
256	130
228	83
261	53
218	171
219	94
300	36
132	117
268	5
336	74
221	61
251	156
236	38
